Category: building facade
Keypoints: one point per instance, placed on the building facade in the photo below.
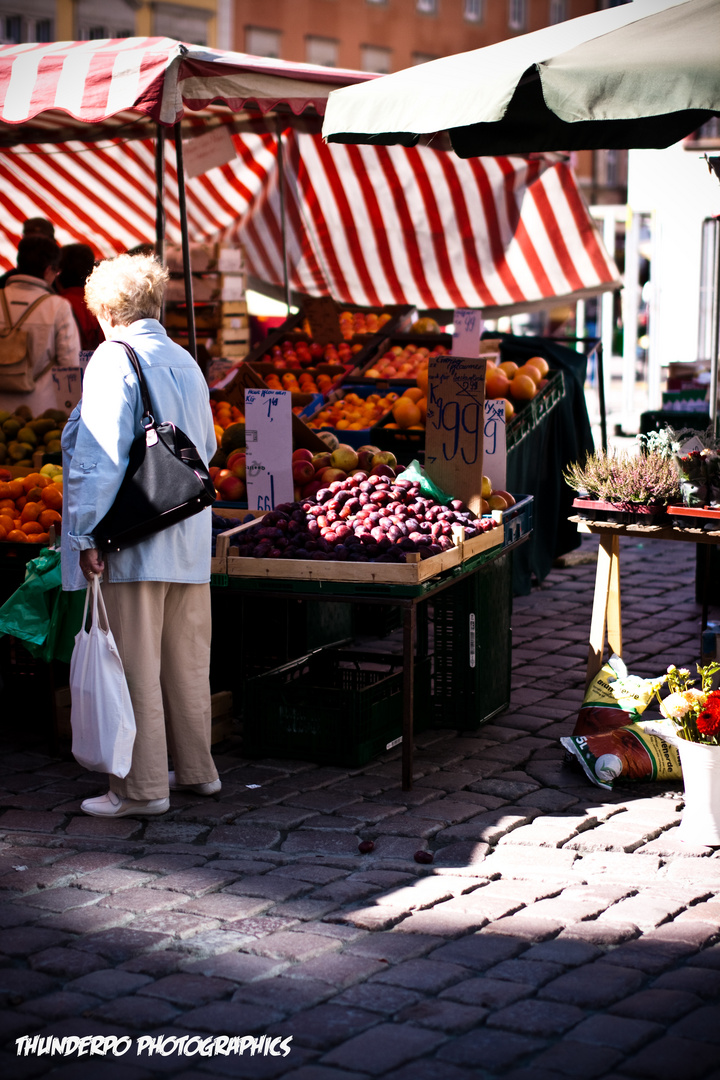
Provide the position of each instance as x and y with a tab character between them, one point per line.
194	21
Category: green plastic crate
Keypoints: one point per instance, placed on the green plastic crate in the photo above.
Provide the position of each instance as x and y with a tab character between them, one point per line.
331	707
473	648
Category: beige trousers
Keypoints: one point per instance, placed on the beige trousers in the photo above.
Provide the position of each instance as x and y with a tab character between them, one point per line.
162	631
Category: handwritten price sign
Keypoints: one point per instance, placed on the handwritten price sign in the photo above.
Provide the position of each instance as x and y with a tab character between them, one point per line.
268	435
468	325
494	445
455	426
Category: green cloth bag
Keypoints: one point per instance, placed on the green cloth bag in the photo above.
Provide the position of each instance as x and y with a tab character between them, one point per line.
40	614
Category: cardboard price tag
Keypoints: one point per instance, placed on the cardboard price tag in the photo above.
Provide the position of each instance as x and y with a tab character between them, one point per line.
268	444
494	444
454	426
206	152
468	325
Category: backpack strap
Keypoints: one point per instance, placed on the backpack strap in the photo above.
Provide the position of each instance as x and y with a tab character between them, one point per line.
9	325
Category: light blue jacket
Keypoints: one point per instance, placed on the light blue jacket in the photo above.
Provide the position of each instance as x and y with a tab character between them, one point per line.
96	445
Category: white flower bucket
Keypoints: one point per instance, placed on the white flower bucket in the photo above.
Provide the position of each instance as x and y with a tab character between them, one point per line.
701	777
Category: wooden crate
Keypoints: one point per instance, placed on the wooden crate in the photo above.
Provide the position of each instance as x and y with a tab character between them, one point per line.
221	705
412	572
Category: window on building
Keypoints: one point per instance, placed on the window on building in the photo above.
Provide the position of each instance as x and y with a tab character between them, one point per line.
473	11
43	30
558	11
427	7
375	58
182	23
377	1
261	42
320	50
423	58
13	30
97	33
517	14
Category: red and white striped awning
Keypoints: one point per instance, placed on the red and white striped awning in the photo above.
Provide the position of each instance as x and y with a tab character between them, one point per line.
93	89
366	225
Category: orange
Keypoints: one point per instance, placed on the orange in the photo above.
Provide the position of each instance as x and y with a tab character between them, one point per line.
16	489
3	531
34	479
414	393
41	538
50	517
540	363
19	503
33	494
31	527
523	387
4	489
422	379
17	536
7	504
406	413
7	523
530	369
509	409
31	511
509	368
52	497
497	384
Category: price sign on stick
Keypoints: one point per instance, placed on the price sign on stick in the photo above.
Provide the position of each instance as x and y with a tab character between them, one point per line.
468	324
454	426
268	438
494	445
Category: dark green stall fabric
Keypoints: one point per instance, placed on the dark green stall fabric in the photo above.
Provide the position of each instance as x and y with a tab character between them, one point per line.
535	466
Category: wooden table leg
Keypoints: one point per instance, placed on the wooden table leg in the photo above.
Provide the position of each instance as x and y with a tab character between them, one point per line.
606	605
409	625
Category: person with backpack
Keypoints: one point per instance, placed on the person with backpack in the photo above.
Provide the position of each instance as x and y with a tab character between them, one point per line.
37	329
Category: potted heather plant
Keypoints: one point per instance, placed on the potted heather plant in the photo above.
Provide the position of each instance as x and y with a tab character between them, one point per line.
623	487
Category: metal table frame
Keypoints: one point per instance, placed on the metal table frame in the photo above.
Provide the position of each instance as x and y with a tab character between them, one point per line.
408	599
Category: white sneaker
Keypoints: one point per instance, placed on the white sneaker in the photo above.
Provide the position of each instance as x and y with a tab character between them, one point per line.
112	805
210	788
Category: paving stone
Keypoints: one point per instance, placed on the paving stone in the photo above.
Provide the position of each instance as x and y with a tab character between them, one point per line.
213	942
22	941
195	881
41	821
394	948
576	1059
692	980
156	964
58	1005
430	1069
142	901
252	837
289	995
328	1024
621	1033
269	887
497	1050
448	1016
230	1016
137	1013
593	986
529	972
62	899
531	863
443	922
479	951
163	862
700	1024
540	1018
426	975
111	880
261	925
239	967
340	970
567	953
66	963
489	828
671	1057
293	946
120	944
605	935
661	1006
488	992
42	877
320	842
19	984
315	875
462	855
102	828
526	925
391	1045
174	924
618	866
187	990
109	983
224	906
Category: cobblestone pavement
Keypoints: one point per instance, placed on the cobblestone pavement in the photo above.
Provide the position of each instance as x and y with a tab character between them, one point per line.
561	931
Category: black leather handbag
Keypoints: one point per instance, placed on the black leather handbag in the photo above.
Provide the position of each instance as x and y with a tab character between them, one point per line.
166	480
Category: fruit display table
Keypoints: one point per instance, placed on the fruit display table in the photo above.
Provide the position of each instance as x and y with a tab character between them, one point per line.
606	612
408	598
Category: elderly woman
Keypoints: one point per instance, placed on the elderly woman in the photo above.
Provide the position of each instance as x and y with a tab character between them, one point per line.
157	592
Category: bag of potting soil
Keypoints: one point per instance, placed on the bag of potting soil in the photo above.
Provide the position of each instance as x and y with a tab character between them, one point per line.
627	752
608	742
613	699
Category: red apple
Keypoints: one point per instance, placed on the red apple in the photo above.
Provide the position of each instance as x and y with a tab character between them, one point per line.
213	471
383	470
302	454
231	488
327	476
321	461
312	488
303	471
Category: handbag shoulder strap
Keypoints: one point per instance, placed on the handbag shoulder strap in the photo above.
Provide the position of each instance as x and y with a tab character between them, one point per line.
144	392
9	325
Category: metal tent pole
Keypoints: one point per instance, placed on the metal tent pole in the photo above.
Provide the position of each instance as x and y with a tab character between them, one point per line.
187	269
283	225
160	193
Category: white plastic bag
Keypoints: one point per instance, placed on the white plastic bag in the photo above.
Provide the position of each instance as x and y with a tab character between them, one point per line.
102	717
